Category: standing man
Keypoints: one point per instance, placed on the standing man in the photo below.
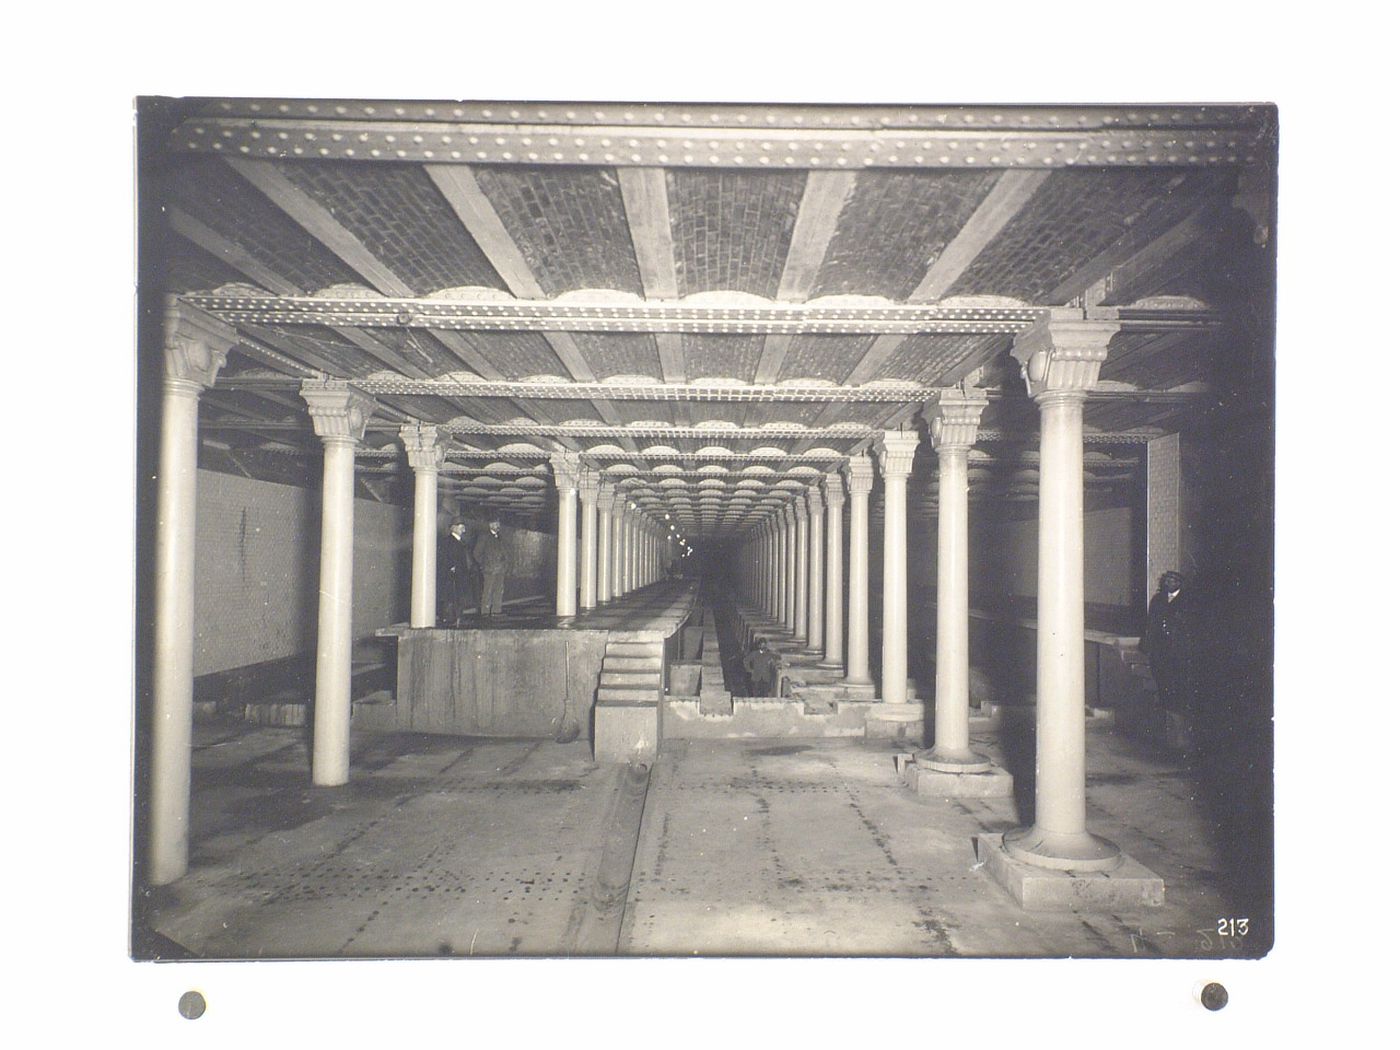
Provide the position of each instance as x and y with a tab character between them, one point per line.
493	556
756	667
455	573
1166	640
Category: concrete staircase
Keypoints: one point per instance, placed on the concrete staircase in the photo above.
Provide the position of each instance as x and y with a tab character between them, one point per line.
632	672
627	715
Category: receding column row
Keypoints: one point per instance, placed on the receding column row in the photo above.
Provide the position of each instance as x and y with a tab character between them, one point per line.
1060	356
796	560
620	551
195	347
606	548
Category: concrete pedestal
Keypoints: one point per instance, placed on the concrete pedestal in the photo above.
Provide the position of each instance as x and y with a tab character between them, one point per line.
1127	887
938	760
994	782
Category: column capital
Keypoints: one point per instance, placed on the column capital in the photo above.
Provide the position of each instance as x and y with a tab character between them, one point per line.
814	499
790	513
896	450
607	492
953	416
588	484
194	345
860	474
421	444
1062	351
339	412
566	469
835	494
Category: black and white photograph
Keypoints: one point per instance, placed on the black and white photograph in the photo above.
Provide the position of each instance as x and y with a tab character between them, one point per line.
751	524
590	529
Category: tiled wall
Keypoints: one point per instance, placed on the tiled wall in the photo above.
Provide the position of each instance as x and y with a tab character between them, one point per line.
1163	507
1003	557
257	551
257	559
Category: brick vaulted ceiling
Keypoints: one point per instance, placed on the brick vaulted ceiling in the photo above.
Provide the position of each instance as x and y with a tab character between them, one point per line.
701	300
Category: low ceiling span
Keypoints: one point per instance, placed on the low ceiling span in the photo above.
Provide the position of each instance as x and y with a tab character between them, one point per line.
712	305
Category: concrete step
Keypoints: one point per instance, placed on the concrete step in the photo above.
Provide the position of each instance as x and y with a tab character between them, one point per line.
631	679
650	664
619	695
632	649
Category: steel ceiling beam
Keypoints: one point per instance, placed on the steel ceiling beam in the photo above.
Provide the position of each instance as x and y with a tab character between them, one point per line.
777	137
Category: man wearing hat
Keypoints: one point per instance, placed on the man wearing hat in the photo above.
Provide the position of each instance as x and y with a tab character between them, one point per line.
492	555
455	573
1166	640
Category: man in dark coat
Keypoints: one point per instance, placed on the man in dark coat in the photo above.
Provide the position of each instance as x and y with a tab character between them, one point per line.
492	554
764	668
455	569
1166	641
756	667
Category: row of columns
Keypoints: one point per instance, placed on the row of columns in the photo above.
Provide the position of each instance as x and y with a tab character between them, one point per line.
194	349
622	550
1060	356
606	547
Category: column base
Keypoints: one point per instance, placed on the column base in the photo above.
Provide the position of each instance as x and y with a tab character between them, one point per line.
830	665
857	690
993	782
1079	852
1129	886
952	760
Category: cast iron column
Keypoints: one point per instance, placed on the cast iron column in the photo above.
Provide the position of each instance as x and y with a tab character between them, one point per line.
860	477
776	569
195	347
799	570
790	570
588	539
896	450
566	469
833	654
605	542
953	425
816	562
425	456
338	414
1060	357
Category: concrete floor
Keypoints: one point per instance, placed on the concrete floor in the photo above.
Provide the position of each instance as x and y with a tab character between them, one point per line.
453	846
